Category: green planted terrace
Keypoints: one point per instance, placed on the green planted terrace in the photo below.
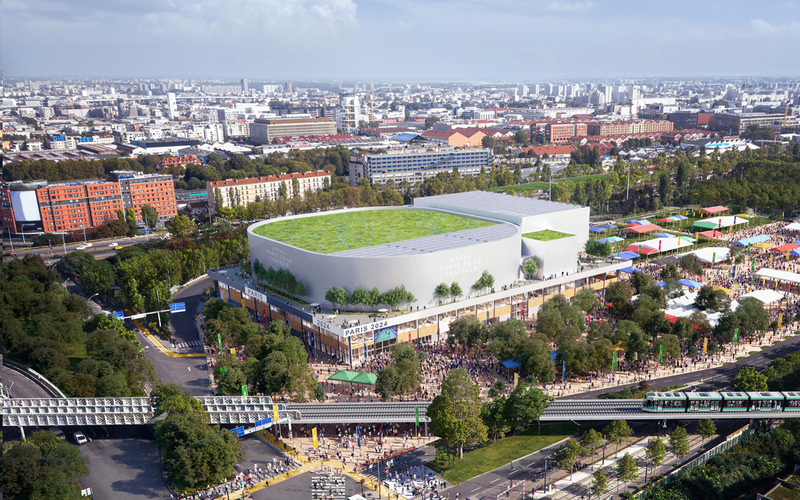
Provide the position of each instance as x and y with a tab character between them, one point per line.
546	235
364	228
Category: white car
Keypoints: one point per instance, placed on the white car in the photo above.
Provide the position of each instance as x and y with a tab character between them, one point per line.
82	247
80	438
112	245
88	245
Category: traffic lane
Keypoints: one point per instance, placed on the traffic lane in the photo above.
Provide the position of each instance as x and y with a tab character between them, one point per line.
189	373
712	378
98	247
299	488
257	452
182	325
21	386
123	469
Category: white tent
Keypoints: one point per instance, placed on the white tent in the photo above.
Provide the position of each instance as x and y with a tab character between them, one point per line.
664	244
711	255
724	220
775	274
794	226
765	296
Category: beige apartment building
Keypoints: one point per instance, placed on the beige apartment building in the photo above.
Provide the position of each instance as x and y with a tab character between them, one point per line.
235	192
264	131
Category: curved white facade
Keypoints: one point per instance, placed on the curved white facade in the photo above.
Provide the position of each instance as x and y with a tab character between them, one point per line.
418	264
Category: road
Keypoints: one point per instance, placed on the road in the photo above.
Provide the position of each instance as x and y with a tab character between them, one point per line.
99	248
183	326
299	488
123	469
21	386
713	378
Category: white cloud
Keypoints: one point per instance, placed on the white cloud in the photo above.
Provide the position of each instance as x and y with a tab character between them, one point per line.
762	27
559	6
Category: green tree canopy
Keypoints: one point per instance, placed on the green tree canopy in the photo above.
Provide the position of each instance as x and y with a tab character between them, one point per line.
456	413
750	380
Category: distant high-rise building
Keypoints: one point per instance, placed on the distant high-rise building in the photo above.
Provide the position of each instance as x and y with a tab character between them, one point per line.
348	115
245	85
522	89
172	106
288	87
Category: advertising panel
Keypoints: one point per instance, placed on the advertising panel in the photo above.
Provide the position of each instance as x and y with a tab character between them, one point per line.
25	205
386	334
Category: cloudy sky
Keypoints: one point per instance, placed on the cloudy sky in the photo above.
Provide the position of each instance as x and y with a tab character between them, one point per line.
439	40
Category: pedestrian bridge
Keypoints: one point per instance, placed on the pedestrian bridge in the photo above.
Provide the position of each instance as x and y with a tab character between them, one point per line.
241	410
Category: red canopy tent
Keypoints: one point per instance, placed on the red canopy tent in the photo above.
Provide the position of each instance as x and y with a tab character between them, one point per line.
784	248
646	228
713	233
714	210
645	250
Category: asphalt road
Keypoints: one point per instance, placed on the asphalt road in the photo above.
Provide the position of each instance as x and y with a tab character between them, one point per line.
713	378
123	469
182	324
20	386
299	488
99	248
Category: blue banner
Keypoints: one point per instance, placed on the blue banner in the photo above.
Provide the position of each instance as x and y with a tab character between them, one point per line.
563	370
358	434
553	355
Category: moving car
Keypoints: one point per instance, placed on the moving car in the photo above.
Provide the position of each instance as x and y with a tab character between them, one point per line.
81	247
113	244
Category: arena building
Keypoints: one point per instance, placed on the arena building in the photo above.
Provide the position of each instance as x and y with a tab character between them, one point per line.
440	239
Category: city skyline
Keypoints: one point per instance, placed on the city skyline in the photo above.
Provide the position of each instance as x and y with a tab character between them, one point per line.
392	40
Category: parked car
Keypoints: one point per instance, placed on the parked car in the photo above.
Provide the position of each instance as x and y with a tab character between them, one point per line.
113	244
80	438
88	245
82	247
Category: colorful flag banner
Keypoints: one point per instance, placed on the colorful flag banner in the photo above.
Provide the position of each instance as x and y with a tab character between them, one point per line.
219	340
275	413
244	390
417	415
660	353
614	361
705	345
516	380
736	336
314	437
780	320
563	370
358	434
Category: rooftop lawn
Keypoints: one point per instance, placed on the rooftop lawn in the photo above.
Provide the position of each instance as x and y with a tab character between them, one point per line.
546	235
350	230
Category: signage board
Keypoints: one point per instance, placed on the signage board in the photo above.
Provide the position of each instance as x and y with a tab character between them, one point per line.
139	316
177	307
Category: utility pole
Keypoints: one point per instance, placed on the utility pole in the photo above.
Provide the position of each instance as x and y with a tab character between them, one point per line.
550	189
64	242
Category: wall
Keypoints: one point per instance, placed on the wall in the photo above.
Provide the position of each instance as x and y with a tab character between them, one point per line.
419	273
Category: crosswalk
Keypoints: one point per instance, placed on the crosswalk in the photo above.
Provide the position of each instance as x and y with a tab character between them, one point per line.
193	343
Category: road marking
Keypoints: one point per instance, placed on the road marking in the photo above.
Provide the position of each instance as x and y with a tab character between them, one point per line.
492	482
476	489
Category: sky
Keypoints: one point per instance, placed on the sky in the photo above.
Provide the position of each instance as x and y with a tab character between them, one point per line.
400	40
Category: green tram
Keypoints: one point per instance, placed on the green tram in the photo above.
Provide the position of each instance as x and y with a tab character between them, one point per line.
699	402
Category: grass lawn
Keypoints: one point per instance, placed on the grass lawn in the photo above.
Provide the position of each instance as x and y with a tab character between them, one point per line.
546	235
347	231
503	451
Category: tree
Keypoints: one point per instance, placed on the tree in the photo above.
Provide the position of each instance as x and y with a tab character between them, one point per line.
532	265
488	142
387	382
597	248
442	290
568	454
599	482
706	428
627	470
195	453
485	281
429	121
711	299
493	416
749	380
456	413
455	290
586	300
655	452
525	404
617	431
679	443
590	441
521	137
149	215
180	225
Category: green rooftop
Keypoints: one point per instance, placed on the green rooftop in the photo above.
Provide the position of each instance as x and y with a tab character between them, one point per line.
546	235
364	228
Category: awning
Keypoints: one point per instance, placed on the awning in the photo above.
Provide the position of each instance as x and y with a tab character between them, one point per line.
712	255
610	226
596	229
610	239
710	234
510	363
762	246
664	235
705	225
626	255
765	296
644	228
752	240
629	270
784	248
794	226
354	377
641	249
714	210
775	274
689	283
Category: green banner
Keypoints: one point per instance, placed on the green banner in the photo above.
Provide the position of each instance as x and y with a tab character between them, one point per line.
219	340
736	336
614	361
417	411
660	352
244	390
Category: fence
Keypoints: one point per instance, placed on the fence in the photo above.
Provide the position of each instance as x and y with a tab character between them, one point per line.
731	440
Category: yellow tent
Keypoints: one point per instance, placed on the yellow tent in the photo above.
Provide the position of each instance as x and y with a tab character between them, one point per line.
726	290
763	245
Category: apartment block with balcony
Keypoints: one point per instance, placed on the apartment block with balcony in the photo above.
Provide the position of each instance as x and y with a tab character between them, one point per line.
418	165
235	192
